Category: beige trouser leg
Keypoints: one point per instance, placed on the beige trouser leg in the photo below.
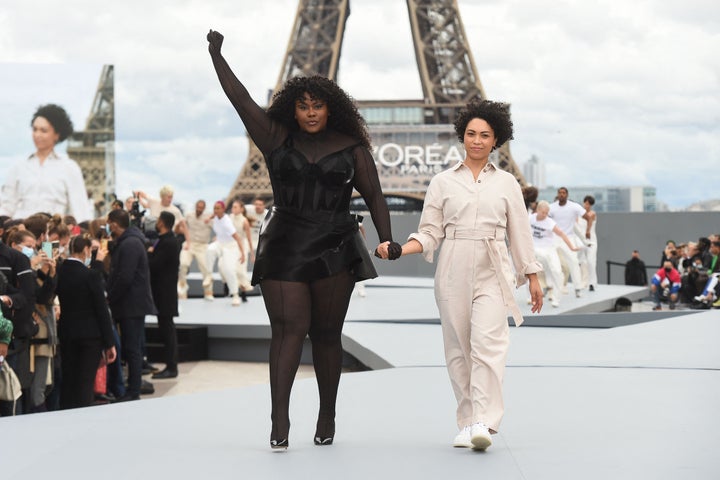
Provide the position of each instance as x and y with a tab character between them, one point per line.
228	257
242	270
475	333
198	251
570	258
551	266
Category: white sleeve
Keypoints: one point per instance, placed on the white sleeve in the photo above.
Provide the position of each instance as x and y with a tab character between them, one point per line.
77	195
431	228
8	195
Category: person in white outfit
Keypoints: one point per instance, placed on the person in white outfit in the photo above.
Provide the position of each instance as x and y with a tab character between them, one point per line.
227	249
566	213
587	257
242	226
195	247
472	208
544	229
46	181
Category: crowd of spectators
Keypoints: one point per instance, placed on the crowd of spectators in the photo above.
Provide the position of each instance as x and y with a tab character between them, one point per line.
688	274
55	315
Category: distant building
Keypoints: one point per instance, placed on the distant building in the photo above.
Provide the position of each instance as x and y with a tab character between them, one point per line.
610	199
534	172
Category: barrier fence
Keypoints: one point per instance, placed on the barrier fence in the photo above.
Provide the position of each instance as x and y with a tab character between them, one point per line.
649	270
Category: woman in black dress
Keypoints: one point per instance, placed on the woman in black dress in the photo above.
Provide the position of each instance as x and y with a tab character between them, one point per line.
310	252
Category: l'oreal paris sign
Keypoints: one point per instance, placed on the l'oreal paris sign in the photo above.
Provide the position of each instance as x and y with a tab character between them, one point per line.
416	159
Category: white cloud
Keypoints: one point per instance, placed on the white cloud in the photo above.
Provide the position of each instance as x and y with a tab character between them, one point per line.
608	91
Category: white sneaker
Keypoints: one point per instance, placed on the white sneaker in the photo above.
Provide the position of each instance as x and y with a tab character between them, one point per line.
554	303
235	300
550	294
209	297
480	436
700	298
462	439
361	291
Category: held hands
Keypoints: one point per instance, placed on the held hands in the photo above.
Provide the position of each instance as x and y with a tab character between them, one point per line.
215	40
389	251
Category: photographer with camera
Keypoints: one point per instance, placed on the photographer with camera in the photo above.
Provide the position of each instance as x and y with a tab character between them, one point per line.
136	215
665	284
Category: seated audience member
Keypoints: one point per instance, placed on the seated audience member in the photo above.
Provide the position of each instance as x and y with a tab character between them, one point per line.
670	252
692	268
635	271
710	293
665	284
704	251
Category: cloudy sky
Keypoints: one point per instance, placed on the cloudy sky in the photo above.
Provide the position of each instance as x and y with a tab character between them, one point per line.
604	92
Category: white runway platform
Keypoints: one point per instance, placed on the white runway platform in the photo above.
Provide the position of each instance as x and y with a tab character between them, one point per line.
588	396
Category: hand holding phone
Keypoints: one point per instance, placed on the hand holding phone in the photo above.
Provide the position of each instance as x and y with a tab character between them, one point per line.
47	248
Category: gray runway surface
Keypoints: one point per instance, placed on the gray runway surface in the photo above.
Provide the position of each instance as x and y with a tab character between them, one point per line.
630	402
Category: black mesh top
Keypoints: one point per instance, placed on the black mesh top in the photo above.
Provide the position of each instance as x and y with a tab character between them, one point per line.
311	173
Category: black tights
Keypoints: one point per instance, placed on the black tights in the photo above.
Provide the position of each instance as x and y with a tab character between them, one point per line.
297	309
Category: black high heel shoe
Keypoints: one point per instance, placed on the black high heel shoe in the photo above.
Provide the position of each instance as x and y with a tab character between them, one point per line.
323	440
327	427
279	444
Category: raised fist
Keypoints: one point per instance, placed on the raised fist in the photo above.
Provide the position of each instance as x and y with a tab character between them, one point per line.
215	40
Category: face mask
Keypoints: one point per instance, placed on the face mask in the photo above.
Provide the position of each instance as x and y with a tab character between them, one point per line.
87	261
28	252
107	229
61	249
668	270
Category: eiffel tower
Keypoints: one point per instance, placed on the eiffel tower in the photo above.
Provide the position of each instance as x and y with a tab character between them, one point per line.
412	139
94	148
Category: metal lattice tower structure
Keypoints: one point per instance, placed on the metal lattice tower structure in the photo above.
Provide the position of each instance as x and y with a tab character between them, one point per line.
447	70
94	148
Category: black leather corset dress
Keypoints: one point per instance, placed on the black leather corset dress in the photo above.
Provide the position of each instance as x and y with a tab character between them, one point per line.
310	234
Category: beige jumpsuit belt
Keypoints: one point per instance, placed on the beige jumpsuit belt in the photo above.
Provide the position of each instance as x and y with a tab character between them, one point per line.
489	237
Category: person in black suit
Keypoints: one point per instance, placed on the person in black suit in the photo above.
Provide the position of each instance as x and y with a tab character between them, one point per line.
635	271
129	295
85	328
164	260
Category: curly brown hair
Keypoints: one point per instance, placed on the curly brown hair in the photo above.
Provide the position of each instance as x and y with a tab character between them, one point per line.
496	114
58	118
344	116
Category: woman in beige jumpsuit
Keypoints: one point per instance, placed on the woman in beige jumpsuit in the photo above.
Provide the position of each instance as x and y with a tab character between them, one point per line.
478	210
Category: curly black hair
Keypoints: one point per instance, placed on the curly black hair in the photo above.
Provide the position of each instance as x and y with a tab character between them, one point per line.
58	118
496	114
344	116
